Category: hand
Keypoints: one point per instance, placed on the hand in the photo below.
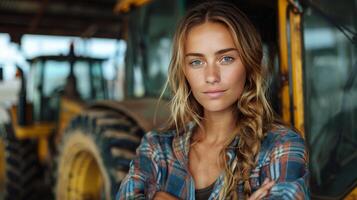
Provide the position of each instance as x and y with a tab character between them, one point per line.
263	190
164	196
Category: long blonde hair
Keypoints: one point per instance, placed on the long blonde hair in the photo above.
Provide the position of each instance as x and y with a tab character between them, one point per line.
253	112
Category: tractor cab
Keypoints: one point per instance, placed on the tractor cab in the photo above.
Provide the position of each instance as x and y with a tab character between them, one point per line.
55	90
76	77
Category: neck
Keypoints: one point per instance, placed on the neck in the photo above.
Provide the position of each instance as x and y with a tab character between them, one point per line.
218	126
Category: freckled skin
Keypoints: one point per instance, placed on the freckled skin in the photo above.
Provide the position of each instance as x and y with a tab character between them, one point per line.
210	71
212	63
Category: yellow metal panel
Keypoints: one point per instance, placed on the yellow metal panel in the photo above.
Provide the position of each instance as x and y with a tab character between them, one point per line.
37	130
124	5
286	12
69	108
43	150
352	195
297	76
34	131
283	54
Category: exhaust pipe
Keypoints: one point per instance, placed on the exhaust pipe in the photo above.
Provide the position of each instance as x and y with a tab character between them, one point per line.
21	108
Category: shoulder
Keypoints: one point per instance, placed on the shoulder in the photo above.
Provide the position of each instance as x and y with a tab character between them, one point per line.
282	135
282	141
157	142
156	137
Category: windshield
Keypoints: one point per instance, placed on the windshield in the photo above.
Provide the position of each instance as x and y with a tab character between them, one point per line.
331	93
149	46
48	79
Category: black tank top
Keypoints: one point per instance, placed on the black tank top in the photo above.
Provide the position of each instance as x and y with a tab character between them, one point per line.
204	193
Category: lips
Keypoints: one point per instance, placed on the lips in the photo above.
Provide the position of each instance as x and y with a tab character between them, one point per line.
214	94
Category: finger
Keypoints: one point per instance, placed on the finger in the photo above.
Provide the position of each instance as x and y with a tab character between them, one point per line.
262	195
266	189
266	180
258	195
262	191
270	184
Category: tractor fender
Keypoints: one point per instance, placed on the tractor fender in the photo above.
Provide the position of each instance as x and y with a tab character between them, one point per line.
149	113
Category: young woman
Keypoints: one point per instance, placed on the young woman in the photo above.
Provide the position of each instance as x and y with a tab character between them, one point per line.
224	141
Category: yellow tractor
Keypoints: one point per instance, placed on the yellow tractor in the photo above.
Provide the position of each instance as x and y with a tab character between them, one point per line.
43	150
26	137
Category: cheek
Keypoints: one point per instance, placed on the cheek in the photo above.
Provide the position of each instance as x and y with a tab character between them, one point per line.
194	82
193	79
236	78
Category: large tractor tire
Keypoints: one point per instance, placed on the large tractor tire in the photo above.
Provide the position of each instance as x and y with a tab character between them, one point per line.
22	170
95	153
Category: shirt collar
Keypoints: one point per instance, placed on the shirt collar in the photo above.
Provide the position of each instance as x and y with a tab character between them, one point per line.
181	145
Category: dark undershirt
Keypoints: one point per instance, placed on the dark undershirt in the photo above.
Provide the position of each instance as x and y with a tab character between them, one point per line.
204	193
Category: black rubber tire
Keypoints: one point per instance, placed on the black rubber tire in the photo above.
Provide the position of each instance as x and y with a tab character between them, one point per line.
23	171
111	136
2	167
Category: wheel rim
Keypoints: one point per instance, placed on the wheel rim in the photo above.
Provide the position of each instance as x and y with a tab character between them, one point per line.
85	179
80	174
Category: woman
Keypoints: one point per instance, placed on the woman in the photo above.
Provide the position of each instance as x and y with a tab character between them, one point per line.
224	141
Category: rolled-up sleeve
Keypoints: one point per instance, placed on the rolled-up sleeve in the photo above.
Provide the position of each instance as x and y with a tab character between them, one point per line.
141	172
288	166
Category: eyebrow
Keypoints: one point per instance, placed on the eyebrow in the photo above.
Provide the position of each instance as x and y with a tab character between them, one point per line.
222	51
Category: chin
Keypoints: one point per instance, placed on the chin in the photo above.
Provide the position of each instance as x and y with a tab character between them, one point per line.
216	106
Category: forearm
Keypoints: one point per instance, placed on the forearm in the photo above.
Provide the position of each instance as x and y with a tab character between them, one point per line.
132	187
288	166
296	190
142	173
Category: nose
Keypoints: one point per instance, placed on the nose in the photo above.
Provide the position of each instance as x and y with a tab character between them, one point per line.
212	74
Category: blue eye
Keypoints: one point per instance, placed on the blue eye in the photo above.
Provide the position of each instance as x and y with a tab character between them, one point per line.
227	60
196	63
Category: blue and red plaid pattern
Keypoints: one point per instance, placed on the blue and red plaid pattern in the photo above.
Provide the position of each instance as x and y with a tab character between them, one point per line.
161	164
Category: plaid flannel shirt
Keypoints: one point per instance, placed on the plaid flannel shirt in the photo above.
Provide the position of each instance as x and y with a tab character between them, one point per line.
161	164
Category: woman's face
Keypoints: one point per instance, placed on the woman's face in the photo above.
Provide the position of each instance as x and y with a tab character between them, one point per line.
213	67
